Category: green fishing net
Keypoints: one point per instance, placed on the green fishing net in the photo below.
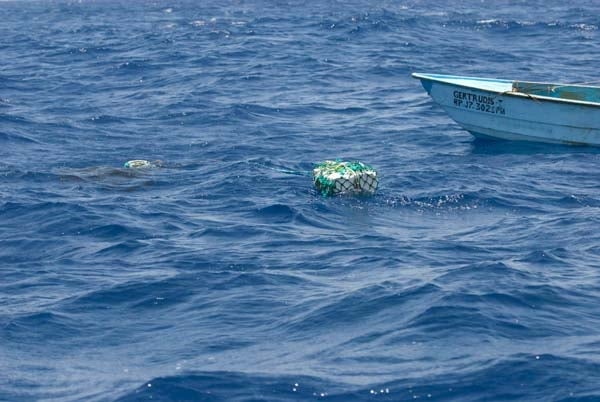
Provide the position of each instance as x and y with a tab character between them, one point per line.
339	177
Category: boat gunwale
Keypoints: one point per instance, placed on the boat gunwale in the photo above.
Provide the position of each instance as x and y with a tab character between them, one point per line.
437	78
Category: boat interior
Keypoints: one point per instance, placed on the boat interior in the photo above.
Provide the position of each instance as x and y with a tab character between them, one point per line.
571	92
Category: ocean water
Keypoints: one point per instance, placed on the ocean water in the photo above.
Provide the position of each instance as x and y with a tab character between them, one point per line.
472	275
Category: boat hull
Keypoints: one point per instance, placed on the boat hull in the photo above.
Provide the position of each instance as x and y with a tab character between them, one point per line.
499	112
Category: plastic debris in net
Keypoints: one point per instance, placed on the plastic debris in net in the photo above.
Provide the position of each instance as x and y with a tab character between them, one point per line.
338	177
139	164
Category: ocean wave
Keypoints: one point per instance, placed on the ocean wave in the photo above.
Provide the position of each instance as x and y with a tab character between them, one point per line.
528	370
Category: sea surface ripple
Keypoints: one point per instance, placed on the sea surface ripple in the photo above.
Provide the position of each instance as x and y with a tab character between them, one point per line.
472	275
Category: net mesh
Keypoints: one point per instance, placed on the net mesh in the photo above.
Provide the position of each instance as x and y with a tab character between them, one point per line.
339	177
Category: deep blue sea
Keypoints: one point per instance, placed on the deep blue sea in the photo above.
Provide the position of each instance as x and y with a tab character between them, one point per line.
472	275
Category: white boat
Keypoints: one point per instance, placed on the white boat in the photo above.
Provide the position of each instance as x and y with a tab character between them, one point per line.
519	110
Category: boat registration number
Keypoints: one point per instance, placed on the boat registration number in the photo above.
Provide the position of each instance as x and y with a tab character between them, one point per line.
481	103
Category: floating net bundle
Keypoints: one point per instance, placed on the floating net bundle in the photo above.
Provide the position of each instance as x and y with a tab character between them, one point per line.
338	177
